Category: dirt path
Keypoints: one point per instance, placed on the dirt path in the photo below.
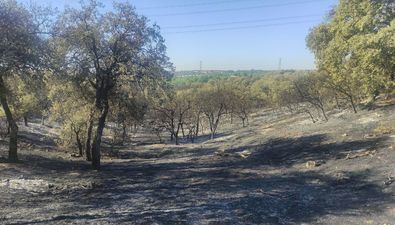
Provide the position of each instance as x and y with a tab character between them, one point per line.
198	184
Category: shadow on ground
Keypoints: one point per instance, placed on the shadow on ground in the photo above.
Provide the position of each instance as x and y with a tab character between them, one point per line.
258	190
290	151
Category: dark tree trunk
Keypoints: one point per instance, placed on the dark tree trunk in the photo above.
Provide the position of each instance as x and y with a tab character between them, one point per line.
353	104
124	133
311	116
79	144
13	145
25	120
197	126
324	113
176	134
171	137
211	124
98	136
213	127
182	130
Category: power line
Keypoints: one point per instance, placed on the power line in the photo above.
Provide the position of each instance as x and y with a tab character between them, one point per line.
196	4
242	27
242	22
234	9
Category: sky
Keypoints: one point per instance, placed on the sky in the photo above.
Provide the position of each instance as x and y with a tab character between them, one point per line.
231	34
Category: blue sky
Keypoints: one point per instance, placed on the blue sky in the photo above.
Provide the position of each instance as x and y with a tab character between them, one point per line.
279	31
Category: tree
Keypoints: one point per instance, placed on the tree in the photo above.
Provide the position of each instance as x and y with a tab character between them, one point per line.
70	109
212	100
355	47
172	110
193	119
311	90
129	108
239	98
99	47
28	97
21	47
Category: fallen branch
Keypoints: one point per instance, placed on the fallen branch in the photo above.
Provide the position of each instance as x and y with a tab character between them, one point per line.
361	154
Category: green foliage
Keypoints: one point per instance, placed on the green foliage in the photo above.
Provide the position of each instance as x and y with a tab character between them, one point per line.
22	54
356	47
71	110
187	79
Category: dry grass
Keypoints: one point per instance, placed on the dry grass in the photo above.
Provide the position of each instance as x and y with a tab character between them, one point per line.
384	129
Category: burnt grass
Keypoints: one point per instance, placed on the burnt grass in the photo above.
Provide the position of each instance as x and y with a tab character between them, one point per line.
192	184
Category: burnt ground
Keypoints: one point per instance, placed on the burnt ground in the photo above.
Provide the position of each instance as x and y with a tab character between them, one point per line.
253	175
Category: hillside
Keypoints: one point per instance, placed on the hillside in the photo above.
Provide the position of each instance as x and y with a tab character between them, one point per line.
281	169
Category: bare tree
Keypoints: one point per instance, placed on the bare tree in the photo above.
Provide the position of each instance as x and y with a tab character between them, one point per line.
311	90
172	111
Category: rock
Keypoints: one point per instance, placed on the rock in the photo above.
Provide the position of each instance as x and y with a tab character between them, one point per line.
313	163
369	136
222	153
245	154
341	178
389	181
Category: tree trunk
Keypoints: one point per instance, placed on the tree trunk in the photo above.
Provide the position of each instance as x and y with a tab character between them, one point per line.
98	136
213	128
124	133
13	145
25	120
88	147
79	144
211	123
177	140
212	135
311	116
182	130
324	113
176	134
197	126
353	104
